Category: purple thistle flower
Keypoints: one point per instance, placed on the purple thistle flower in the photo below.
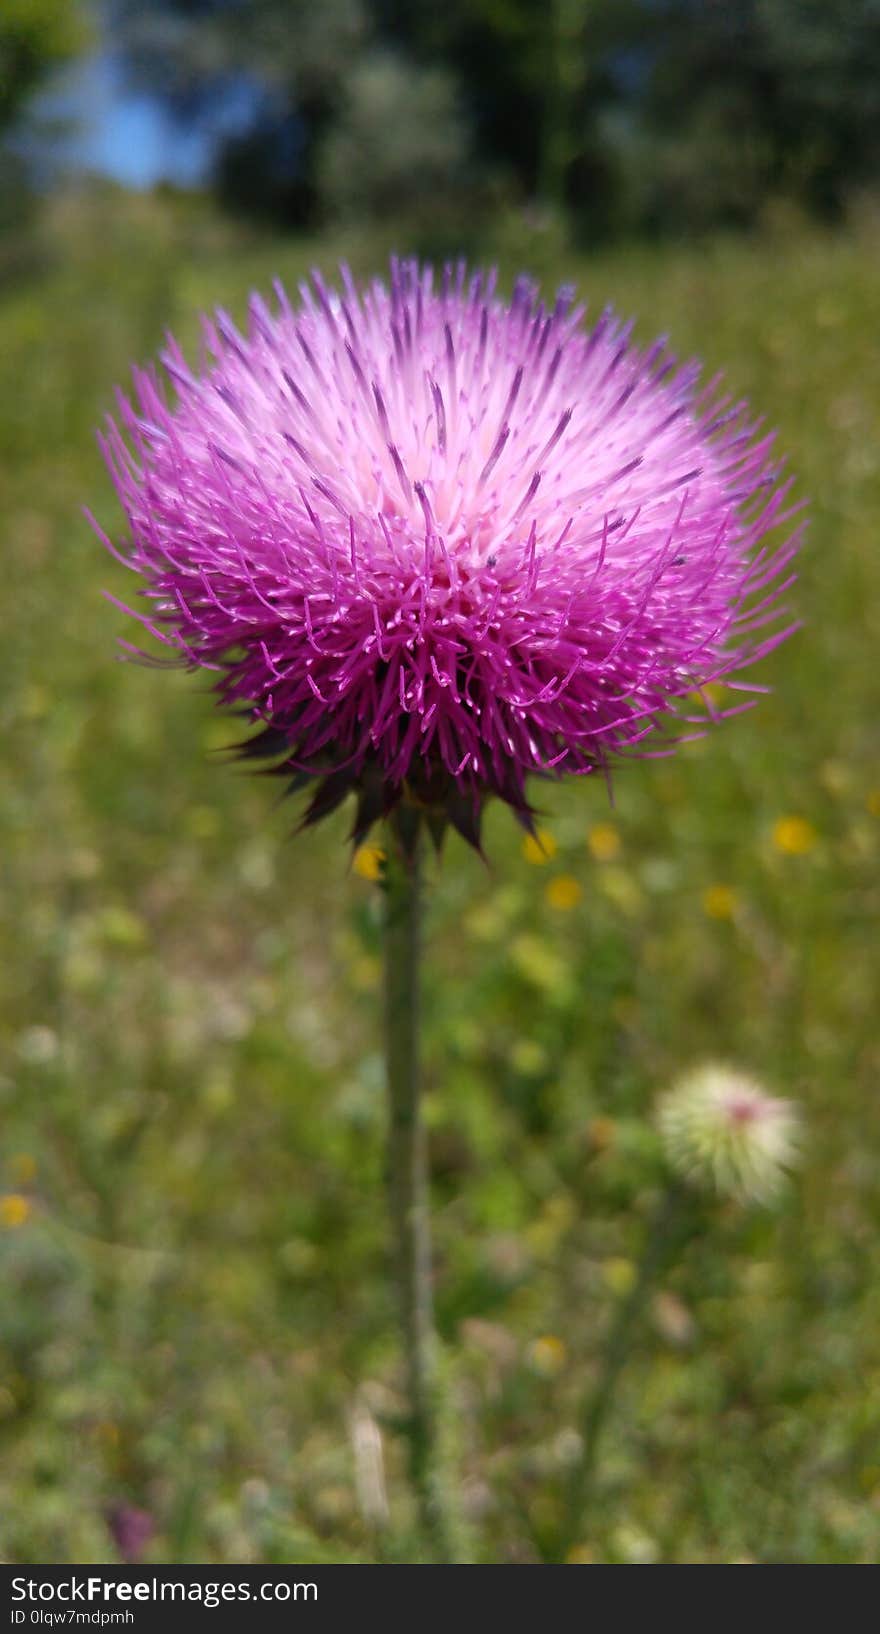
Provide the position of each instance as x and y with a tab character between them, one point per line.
434	543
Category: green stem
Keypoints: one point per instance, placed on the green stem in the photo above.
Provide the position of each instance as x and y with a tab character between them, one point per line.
408	1185
664	1234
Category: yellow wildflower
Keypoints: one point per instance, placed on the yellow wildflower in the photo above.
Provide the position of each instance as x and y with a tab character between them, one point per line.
564	892
720	901
604	842
15	1210
547	1355
367	861
539	848
794	836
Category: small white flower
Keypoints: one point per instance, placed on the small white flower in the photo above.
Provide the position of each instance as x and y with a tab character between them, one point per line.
722	1131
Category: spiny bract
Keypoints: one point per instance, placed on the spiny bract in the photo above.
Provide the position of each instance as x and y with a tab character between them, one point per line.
434	542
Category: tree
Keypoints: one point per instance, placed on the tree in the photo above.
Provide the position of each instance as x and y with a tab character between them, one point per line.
286	61
399	148
720	104
621	114
35	37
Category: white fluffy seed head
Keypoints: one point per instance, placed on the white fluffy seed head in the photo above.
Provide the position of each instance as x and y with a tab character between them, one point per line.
723	1132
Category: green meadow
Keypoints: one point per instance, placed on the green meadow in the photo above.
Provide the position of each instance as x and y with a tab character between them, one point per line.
196	1317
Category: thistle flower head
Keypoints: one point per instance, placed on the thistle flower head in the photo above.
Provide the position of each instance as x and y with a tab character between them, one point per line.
433	542
724	1133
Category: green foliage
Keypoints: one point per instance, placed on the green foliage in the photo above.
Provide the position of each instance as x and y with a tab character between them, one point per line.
35	37
742	103
198	1317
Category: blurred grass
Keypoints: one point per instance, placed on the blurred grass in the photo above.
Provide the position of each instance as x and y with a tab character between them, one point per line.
191	1107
